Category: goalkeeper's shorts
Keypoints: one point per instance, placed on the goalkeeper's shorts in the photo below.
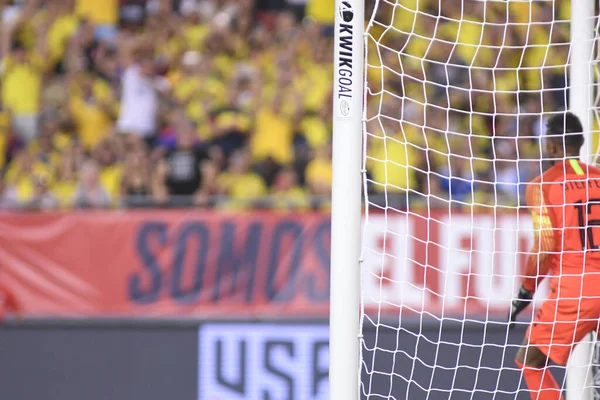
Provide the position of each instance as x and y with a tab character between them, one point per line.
561	323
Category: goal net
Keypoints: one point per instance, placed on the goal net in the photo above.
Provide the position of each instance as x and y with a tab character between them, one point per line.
457	95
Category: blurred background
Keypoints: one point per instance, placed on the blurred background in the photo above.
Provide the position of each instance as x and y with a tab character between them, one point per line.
227	104
165	179
166	104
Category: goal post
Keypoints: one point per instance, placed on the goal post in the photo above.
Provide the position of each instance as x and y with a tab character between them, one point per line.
581	94
580	380
419	87
344	371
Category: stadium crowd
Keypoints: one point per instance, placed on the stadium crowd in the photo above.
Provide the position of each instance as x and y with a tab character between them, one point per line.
138	103
165	103
471	83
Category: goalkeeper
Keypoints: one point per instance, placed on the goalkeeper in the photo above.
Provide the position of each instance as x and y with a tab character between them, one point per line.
565	205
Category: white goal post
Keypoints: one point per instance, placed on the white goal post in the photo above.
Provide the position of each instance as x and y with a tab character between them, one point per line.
344	371
580	383
358	304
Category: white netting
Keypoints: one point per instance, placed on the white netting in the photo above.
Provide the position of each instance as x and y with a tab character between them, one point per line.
458	92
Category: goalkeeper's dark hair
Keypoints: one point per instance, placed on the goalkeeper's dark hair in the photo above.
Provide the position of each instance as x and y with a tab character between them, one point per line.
566	128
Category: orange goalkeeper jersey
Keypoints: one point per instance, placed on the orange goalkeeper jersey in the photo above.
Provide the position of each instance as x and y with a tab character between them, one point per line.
565	205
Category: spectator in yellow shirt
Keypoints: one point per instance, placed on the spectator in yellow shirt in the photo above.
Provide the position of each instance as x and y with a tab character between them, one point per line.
41	198
319	172
66	178
63	25
322	11
287	193
240	183
390	163
5	133
93	116
103	13
21	75
21	71
19	176
111	169
273	134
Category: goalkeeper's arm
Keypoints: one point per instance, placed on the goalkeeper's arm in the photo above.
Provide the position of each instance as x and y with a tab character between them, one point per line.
538	261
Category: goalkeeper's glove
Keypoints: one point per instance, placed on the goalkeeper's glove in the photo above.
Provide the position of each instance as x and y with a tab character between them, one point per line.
519	304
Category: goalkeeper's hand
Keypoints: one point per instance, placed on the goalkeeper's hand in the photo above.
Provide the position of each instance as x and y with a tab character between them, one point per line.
519	304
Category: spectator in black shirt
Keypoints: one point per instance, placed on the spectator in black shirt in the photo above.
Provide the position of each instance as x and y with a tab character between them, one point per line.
187	171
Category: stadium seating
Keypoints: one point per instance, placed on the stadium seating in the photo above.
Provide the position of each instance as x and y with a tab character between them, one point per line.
223	104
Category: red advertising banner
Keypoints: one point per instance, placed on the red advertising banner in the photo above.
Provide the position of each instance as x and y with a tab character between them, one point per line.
210	264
